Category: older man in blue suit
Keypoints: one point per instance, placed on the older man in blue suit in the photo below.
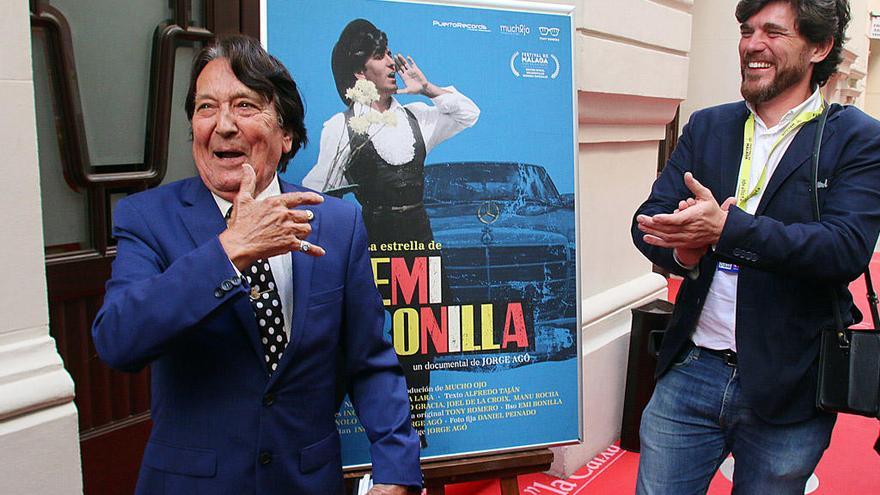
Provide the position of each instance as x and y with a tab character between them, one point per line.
732	212
243	321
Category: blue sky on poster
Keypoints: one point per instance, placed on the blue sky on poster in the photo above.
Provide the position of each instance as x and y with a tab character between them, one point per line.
523	119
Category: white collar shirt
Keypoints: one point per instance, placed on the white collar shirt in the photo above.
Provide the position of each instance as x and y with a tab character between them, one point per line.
282	265
449	114
716	327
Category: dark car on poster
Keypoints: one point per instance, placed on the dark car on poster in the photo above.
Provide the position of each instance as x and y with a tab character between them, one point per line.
507	234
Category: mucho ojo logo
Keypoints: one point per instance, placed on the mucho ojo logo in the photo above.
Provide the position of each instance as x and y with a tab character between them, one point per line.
516	29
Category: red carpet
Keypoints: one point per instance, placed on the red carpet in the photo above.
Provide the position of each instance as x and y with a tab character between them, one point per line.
849	467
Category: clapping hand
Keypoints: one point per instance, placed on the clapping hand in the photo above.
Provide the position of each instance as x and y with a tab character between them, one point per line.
696	223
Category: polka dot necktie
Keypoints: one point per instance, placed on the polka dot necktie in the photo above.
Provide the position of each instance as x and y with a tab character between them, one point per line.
267	308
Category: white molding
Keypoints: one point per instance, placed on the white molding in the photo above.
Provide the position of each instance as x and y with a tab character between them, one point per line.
605	345
620	133
629	109
850	92
513	5
682	5
39	453
609	117
856	73
611	66
619	298
32	375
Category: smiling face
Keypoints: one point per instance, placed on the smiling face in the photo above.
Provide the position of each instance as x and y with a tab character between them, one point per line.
232	125
775	60
379	69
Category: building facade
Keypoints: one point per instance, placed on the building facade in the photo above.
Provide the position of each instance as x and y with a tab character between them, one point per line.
638	61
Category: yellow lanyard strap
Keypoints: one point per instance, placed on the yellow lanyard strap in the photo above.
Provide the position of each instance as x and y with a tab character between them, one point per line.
743	195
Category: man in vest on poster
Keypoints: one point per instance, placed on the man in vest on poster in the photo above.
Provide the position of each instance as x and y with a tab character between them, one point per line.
384	162
732	213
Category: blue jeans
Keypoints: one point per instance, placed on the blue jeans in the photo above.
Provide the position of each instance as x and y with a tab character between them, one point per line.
698	415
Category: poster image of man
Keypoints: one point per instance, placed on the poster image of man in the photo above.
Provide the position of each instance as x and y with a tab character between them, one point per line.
377	147
385	159
472	242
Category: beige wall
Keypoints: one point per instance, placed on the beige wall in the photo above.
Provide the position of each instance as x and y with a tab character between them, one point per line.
857	33
714	74
872	83
39	445
632	65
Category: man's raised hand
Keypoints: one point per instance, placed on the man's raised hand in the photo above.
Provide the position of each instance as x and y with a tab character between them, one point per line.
269	227
414	79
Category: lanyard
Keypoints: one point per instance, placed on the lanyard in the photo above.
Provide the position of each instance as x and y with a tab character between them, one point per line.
743	195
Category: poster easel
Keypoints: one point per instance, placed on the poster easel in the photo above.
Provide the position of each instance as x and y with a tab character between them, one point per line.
504	467
501	195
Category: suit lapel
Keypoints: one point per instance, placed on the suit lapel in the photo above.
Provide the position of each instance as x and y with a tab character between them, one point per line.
730	154
798	153
303	265
203	221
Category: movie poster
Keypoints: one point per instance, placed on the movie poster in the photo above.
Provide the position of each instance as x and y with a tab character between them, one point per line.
453	126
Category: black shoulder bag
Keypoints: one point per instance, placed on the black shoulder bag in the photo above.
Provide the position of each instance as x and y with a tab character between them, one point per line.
849	360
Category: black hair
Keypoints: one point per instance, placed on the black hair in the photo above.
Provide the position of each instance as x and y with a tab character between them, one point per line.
263	73
817	21
358	42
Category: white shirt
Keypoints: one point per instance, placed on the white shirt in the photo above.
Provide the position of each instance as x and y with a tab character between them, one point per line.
282	265
450	114
716	327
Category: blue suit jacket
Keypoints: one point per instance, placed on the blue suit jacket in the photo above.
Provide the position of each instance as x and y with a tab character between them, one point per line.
220	423
787	261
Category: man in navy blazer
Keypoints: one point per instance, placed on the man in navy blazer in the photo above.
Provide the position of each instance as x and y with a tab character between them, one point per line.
732	213
234	410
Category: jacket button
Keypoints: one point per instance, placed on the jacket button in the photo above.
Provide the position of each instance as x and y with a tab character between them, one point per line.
268	400
218	293
265	458
236	280
226	285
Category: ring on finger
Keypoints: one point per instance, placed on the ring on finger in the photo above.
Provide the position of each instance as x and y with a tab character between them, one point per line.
304	246
309	215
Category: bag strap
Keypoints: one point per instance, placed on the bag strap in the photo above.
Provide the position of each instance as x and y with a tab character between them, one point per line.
872	298
814	183
814	172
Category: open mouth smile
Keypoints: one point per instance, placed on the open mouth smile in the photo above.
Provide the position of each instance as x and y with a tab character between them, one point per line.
228	154
759	65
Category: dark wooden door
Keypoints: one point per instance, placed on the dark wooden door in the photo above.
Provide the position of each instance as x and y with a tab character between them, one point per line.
76	110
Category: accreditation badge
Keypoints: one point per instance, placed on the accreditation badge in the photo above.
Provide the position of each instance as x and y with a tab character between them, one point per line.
728	267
